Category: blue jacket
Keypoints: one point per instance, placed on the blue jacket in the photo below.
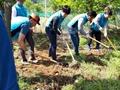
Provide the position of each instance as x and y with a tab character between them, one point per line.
8	80
76	24
54	21
22	23
99	22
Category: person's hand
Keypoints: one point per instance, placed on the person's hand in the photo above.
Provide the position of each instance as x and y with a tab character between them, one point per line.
59	32
105	34
31	30
101	29
87	35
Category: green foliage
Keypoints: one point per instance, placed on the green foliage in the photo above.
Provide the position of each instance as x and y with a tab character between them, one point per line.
83	41
79	6
33	7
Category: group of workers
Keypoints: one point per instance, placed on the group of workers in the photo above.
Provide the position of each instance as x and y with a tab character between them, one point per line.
21	31
98	24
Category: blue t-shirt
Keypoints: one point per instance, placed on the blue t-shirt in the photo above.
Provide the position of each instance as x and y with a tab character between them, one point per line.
8	80
99	21
20	22
56	18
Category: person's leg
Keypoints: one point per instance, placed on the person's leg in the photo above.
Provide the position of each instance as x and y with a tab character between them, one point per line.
31	43
75	42
48	35
91	33
22	53
53	43
98	37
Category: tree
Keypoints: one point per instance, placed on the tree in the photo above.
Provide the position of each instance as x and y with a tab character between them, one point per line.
5	7
33	6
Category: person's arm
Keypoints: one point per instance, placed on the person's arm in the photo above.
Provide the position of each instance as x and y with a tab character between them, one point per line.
55	24
23	33
14	12
80	26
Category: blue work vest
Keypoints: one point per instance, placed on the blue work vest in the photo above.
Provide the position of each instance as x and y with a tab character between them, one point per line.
59	18
20	10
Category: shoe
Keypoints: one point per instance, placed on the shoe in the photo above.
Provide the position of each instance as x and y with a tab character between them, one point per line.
77	53
96	50
89	47
25	62
32	60
52	60
97	47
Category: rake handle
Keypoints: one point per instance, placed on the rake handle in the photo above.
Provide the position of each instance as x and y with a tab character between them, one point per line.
111	44
97	41
68	47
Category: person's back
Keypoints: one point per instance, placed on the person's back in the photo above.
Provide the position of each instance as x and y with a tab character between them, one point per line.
17	21
74	22
16	24
8	78
59	18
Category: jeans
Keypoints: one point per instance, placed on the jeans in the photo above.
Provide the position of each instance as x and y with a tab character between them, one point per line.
75	42
52	36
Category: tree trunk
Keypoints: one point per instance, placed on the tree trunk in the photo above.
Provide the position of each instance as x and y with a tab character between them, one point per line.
7	14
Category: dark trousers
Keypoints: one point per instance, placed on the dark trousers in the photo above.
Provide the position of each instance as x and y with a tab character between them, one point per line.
97	35
75	42
52	36
31	43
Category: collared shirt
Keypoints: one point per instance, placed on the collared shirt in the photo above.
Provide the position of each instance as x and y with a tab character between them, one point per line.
8	78
99	22
19	10
77	23
20	22
54	22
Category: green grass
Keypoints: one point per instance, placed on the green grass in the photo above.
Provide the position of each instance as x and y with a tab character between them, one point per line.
97	77
23	84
